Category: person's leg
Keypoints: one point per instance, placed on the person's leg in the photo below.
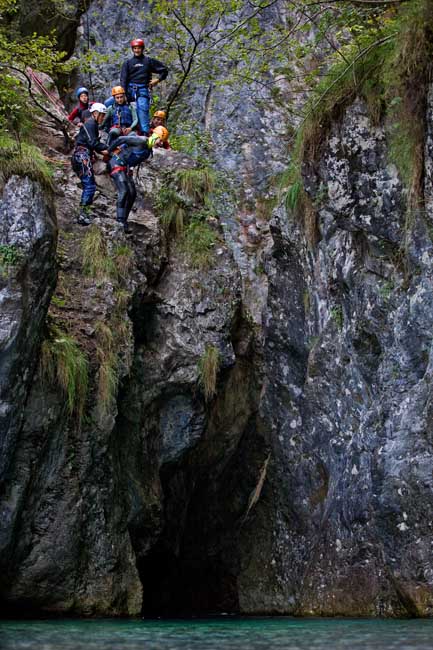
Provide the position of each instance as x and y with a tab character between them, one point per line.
89	188
132	194
114	133
82	166
119	179
143	103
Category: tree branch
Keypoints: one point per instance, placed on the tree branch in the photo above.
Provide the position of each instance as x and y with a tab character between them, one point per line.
29	89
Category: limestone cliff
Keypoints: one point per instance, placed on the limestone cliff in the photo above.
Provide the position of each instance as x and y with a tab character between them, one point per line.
300	481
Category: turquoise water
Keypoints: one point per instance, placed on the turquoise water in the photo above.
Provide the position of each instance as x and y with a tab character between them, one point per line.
217	634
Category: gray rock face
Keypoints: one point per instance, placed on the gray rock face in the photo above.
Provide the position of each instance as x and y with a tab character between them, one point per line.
44	17
88	497
27	277
304	485
347	394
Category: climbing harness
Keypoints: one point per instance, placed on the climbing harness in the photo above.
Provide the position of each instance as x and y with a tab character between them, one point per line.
118	168
81	161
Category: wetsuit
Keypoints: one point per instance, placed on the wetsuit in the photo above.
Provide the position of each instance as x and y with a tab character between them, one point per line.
78	114
133	150
86	143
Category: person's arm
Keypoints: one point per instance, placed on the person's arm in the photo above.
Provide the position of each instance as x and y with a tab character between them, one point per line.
73	114
124	74
158	68
105	126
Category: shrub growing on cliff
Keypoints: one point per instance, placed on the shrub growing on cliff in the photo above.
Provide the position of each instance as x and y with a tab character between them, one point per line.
108	377
387	63
196	184
123	260
63	363
108	380
23	159
198	244
171	209
208	367
184	203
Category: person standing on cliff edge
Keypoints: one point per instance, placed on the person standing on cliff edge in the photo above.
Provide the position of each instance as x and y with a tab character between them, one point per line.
87	143
136	78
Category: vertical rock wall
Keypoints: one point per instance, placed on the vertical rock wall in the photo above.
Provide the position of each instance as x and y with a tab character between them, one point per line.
347	396
304	486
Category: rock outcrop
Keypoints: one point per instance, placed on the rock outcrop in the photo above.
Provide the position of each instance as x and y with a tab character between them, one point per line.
27	278
347	392
299	481
85	494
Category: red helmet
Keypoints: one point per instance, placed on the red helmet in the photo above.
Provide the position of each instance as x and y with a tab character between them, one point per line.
137	42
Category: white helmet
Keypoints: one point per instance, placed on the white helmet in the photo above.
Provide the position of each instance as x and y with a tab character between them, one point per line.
98	107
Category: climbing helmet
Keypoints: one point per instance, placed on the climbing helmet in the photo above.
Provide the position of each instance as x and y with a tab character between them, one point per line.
161	132
101	108
137	42
81	90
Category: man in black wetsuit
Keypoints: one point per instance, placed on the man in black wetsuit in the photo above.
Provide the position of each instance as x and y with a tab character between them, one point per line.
136	78
127	152
86	143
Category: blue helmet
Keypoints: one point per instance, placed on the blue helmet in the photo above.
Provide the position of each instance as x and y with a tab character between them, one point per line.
81	90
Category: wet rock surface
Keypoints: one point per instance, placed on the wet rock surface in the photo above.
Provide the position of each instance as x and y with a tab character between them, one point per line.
347	399
27	276
304	484
86	495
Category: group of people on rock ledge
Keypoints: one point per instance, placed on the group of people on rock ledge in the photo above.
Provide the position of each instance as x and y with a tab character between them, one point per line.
131	134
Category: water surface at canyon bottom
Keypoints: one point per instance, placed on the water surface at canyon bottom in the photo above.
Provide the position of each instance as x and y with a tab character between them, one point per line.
225	633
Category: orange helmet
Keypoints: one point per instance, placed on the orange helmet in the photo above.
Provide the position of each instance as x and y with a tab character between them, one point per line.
117	90
161	132
137	42
161	114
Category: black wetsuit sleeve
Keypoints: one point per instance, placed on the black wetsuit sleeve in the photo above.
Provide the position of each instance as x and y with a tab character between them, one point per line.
158	68
130	140
124	74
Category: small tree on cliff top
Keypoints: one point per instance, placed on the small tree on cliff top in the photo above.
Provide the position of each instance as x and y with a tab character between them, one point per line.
201	37
17	52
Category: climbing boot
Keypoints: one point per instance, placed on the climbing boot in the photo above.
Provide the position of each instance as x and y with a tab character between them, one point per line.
121	215
85	216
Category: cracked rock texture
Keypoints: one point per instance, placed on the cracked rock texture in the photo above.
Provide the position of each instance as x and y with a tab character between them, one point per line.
304	485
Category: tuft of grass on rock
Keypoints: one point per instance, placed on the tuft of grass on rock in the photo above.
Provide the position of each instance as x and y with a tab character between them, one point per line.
198	244
195	183
97	263
208	367
24	159
65	364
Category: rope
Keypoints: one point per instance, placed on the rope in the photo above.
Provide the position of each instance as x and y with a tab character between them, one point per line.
56	160
40	85
30	91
